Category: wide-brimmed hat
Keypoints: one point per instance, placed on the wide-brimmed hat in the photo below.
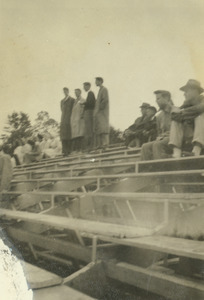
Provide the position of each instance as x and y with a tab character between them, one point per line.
192	83
145	105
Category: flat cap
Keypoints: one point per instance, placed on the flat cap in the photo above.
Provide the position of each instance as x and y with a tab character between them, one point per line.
145	105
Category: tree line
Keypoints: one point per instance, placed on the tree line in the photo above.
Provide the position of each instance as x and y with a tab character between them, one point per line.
18	127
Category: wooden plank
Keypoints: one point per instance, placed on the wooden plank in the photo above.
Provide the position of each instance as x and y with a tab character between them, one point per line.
79	273
170	245
191	198
77	159
58	246
39	278
164	164
110	152
118	176
170	286
80	168
77	224
59	293
130	195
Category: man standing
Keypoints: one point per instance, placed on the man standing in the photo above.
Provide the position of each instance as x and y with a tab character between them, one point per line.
65	126
101	115
188	121
88	116
159	148
77	122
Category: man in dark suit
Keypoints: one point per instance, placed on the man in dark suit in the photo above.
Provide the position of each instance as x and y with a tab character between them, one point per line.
88	116
65	126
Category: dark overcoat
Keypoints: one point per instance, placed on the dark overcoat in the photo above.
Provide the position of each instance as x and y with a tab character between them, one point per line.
65	125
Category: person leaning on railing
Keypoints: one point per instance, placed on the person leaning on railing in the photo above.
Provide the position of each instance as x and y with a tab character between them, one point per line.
188	120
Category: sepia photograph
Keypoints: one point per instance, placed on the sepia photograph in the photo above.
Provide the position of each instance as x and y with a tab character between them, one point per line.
102	150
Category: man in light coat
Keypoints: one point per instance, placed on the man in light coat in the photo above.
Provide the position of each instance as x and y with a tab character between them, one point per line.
77	122
65	125
101	116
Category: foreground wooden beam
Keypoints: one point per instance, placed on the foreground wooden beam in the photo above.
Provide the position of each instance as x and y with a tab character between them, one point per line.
170	245
58	246
119	176
85	226
59	292
170	286
39	278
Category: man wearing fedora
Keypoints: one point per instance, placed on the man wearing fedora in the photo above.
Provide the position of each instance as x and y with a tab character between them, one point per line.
188	121
133	135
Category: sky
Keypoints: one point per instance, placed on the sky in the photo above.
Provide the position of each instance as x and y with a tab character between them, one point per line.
136	46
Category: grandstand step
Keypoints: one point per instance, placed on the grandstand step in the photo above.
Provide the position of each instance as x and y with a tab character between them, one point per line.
82	158
107	169
65	248
150	182
85	226
170	245
172	164
170	286
59	292
39	278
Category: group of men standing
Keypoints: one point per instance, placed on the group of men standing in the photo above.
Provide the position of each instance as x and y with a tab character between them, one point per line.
85	122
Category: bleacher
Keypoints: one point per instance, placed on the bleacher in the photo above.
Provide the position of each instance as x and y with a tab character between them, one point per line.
138	219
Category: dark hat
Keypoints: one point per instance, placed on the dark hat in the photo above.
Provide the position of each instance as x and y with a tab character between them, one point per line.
192	83
145	105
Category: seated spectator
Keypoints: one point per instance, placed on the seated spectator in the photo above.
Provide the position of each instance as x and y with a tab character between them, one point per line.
188	121
6	169
159	148
129	133
55	147
18	152
144	128
34	155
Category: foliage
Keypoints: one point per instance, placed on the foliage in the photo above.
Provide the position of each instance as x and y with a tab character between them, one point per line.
18	127
44	124
115	136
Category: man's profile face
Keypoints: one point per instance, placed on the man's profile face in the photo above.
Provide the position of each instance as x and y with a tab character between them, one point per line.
143	111
161	101
66	92
150	112
191	93
97	82
86	87
77	93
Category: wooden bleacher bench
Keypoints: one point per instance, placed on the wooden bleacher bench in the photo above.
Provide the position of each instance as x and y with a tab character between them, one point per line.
160	282
46	162
88	227
120	176
39	278
62	292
